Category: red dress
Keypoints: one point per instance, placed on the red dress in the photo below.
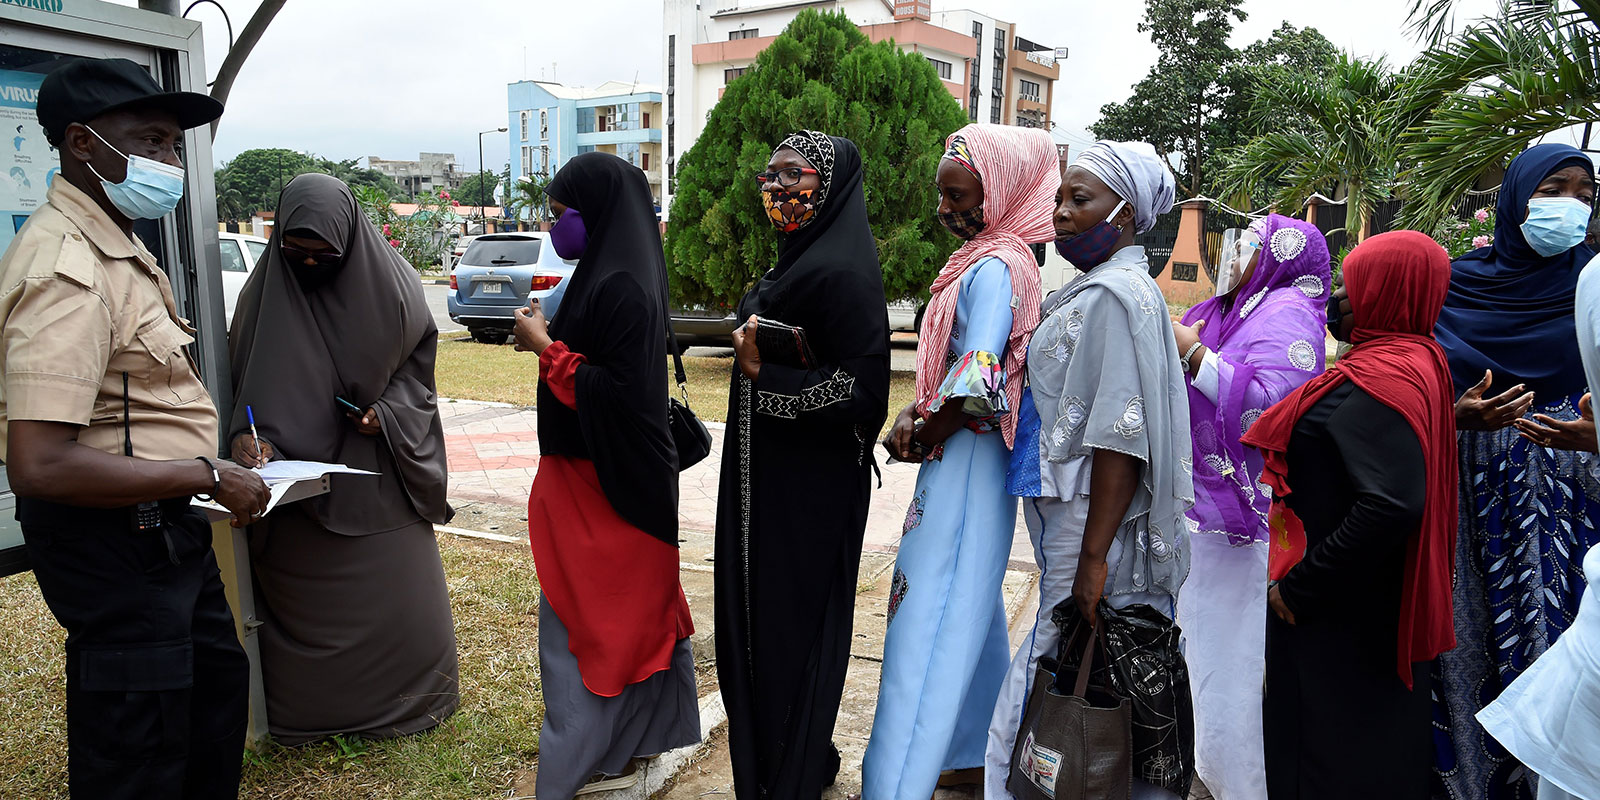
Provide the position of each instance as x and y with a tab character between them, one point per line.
614	586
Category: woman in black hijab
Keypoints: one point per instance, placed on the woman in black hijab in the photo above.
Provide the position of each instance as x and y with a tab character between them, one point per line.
792	507
614	655
332	311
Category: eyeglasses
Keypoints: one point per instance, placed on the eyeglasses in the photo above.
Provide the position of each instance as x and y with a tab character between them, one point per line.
786	177
324	258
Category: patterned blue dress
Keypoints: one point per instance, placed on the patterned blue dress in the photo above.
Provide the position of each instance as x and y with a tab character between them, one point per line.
1528	515
946	649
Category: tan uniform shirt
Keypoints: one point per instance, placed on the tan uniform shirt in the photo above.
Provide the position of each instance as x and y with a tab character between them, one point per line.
80	304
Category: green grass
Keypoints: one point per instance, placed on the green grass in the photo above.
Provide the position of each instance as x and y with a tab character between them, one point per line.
477	753
468	370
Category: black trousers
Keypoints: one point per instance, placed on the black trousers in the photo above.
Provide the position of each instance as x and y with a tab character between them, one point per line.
157	684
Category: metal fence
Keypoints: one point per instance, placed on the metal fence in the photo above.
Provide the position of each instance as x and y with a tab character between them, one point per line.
1158	241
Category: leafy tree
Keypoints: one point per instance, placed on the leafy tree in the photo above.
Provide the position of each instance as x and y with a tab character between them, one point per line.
260	174
1288	53
352	173
421	238
231	206
478	189
820	73
1348	136
1177	106
1486	93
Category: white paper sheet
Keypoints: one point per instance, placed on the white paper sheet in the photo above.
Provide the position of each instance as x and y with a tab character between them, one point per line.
278	471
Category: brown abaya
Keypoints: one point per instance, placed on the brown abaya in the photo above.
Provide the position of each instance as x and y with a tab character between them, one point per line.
357	635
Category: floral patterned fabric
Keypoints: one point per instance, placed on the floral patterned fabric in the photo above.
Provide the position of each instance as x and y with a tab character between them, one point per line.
1528	515
979	381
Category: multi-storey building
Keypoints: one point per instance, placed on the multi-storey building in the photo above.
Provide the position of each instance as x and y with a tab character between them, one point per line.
550	123
996	75
430	172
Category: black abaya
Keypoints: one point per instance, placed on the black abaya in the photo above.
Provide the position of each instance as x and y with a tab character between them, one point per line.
1339	723
792	506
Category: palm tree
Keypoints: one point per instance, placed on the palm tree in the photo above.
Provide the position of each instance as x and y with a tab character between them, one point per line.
1324	131
1482	95
528	194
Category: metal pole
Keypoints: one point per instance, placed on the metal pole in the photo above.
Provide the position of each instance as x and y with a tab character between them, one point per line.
168	7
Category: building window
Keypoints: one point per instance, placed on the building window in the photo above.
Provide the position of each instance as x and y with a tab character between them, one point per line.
731	74
585	148
994	113
527	160
586	120
524	120
544	123
644	161
747	33
672	91
544	160
941	67
1030	91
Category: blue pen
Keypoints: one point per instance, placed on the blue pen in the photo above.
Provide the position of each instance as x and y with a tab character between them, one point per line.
250	413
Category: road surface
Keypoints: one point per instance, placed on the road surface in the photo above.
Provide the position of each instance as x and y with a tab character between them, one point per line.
436	303
902	352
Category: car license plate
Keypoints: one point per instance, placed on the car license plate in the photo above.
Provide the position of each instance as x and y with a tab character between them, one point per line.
492	288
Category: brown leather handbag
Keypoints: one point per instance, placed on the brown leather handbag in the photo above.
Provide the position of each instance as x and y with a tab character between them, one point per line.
1070	748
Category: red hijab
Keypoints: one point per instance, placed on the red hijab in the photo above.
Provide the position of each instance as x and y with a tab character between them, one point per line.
1397	284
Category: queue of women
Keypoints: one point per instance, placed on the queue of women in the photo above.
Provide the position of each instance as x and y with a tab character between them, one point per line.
1377	566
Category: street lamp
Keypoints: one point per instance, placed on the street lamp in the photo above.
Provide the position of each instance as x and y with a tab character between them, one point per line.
480	157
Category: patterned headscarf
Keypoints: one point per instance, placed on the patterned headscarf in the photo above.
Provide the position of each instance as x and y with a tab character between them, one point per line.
959	153
815	147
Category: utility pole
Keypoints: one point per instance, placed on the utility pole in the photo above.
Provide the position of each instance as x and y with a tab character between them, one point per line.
168	7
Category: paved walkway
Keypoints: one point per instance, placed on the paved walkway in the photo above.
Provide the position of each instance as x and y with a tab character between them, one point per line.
493	451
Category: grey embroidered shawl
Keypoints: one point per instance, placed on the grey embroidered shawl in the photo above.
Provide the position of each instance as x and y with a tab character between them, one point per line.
1104	371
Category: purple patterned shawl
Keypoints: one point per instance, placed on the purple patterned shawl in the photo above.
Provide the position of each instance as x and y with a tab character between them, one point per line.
1269	339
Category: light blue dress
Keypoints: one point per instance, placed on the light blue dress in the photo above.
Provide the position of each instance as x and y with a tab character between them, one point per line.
946	650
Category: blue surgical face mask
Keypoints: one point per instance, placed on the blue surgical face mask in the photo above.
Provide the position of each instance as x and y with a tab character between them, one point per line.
1555	224
150	190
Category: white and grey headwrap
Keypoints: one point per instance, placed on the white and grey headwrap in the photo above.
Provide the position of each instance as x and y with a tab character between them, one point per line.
817	148
1137	174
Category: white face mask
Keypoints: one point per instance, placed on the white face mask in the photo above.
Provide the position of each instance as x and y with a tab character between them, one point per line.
1239	247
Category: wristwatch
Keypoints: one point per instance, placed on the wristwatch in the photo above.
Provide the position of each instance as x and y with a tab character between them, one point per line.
1189	355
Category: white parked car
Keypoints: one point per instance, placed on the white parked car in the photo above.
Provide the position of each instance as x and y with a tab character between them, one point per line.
240	252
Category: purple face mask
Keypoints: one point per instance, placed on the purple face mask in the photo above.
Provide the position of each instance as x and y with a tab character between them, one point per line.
568	236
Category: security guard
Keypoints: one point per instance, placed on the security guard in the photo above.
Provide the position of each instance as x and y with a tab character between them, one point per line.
107	432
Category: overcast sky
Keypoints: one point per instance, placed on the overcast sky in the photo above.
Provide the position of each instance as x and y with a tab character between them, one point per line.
349	79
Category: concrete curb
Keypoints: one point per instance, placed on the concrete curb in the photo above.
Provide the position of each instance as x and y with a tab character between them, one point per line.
436	281
658	772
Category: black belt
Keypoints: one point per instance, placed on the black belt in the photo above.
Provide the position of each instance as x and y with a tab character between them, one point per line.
46	512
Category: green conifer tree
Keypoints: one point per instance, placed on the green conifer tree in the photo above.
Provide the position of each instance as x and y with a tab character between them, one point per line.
822	73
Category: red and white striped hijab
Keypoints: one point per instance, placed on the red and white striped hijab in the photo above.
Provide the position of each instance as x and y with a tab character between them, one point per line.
1020	173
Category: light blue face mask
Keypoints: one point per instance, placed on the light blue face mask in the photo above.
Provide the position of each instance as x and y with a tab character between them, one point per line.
1555	224
150	190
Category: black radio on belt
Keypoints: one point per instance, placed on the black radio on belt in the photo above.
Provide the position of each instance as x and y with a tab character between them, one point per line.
145	516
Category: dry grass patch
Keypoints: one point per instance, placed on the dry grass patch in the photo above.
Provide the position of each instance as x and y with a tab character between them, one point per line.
475	754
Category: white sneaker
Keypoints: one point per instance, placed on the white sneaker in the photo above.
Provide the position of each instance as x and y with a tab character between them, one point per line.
611	783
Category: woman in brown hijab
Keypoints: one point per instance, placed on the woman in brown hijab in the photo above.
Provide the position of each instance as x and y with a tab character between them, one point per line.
357	636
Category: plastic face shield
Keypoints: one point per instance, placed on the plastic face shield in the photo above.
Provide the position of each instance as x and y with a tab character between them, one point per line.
1239	246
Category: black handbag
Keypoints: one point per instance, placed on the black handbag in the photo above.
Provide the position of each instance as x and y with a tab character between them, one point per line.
1144	664
689	434
1072	747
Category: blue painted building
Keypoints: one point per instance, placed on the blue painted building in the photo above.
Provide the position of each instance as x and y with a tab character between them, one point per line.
550	123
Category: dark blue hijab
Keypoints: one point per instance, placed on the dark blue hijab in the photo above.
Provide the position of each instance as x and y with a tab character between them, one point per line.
1509	308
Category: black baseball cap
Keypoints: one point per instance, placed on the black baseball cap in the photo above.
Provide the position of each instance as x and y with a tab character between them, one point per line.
85	88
